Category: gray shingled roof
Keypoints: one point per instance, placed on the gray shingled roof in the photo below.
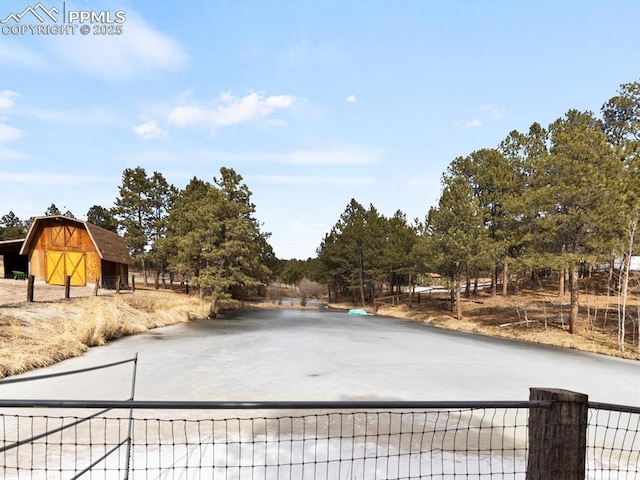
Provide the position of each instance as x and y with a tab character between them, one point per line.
110	246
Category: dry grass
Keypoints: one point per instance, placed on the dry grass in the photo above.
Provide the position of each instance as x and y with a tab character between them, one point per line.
34	335
531	316
40	334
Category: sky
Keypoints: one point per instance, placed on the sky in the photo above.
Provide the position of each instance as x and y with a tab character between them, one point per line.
313	103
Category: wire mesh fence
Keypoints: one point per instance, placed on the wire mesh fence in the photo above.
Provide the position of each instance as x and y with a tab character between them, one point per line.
464	443
443	443
555	435
613	442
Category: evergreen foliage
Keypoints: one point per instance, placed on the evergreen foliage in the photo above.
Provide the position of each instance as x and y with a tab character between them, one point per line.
102	217
557	199
212	233
12	228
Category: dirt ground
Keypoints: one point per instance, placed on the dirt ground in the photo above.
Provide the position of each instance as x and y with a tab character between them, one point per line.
14	292
537	316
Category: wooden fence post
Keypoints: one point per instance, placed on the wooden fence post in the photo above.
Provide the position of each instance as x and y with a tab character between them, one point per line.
133	283
95	288
67	287
30	284
557	435
117	284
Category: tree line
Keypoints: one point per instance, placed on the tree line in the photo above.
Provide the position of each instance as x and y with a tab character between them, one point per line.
206	230
13	228
561	199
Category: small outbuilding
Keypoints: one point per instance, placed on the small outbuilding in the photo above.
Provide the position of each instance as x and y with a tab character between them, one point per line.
12	264
58	246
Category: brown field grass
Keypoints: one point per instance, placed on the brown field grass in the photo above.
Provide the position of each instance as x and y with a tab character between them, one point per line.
34	335
531	316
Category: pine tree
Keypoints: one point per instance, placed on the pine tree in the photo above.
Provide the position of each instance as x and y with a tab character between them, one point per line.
216	237
132	209
102	217
575	195
455	237
52	211
11	227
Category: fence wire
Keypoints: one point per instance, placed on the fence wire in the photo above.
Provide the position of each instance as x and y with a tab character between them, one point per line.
613	443
468	443
296	440
475	443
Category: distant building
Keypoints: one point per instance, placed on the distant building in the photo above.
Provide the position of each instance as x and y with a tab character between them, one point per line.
634	265
58	246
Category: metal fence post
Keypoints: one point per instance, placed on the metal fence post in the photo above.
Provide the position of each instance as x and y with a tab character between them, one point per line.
130	429
558	435
67	287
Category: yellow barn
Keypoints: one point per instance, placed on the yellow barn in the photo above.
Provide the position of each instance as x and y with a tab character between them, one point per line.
59	246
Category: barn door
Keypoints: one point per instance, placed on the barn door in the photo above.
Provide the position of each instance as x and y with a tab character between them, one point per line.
65	236
55	268
76	268
61	264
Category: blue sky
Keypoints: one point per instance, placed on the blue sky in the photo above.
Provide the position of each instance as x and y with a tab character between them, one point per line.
313	103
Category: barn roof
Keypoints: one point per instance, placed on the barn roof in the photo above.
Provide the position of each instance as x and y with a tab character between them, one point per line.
11	246
109	245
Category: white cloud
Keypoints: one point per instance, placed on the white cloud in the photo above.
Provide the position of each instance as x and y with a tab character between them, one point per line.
474	123
276	122
149	130
230	110
183	116
7	134
495	111
139	50
7	98
351	99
